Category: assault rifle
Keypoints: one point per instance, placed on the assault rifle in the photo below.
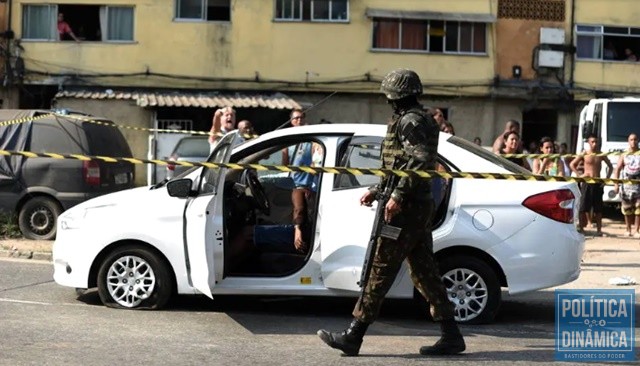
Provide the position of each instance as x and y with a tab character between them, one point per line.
380	229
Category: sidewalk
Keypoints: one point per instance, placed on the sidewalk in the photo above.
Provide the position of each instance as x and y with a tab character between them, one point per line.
26	249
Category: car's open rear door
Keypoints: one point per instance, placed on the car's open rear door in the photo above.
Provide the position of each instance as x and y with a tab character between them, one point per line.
203	229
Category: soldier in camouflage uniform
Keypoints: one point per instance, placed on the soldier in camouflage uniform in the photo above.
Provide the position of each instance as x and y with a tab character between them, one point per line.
411	143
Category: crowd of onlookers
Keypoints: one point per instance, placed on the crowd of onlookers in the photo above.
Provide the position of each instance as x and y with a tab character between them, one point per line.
509	143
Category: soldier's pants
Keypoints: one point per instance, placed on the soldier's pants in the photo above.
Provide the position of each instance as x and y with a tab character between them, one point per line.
415	244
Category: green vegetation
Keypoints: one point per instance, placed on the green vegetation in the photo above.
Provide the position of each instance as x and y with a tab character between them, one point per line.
9	226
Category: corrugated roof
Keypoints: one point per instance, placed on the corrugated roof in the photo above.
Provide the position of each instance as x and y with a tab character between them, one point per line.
156	99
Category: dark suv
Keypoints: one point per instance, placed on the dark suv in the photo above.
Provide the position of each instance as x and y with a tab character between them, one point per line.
39	189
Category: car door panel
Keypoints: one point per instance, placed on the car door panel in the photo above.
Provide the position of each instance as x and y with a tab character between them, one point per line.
204	231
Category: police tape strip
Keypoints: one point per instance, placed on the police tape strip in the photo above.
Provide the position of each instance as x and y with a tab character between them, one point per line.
93	121
330	170
24	120
537	155
206	133
145	129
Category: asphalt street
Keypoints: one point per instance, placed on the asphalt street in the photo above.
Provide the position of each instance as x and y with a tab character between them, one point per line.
46	324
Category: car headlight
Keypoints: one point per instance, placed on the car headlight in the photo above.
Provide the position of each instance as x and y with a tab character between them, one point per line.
78	218
70	222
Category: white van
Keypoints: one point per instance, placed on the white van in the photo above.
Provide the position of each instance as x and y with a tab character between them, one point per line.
612	120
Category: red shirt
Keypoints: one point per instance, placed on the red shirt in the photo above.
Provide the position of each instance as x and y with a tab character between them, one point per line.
63	27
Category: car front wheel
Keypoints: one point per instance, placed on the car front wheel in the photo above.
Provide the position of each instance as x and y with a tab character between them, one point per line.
38	217
473	287
134	277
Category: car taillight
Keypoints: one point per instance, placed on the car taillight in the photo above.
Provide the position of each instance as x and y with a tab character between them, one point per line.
556	205
91	172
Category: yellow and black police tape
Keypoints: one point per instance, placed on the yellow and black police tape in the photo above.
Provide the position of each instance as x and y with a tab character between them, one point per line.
208	133
145	129
330	170
109	124
24	119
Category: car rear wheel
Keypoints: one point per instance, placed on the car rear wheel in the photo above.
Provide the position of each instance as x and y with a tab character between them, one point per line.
133	277
38	217
473	287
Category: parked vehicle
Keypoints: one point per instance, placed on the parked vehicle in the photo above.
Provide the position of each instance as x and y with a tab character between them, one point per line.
612	121
180	237
37	190
190	148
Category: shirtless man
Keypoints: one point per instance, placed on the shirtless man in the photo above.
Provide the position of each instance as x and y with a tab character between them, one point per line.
591	193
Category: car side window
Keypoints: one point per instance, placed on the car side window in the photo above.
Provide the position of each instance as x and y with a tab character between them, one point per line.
210	175
361	153
56	138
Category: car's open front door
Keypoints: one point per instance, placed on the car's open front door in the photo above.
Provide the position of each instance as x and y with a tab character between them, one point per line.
203	229
346	226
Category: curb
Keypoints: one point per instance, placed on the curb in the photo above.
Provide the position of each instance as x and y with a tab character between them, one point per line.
22	254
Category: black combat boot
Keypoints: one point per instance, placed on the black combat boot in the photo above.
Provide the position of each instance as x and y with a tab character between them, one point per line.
450	343
349	340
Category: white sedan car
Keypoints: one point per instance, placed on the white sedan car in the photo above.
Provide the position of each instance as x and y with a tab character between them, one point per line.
141	246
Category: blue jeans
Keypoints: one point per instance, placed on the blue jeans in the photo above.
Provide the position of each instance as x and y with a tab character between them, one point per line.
274	238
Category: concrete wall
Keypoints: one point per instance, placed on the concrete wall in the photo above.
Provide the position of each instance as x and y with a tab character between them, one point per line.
515	42
123	113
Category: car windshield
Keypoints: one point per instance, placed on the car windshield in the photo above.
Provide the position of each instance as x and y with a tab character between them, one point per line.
193	146
487	155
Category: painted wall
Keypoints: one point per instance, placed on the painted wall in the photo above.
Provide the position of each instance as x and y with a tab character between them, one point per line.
253	44
515	43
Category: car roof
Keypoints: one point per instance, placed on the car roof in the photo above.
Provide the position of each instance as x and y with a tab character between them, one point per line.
352	128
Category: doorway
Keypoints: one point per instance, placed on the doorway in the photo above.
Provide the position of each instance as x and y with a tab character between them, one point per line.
538	123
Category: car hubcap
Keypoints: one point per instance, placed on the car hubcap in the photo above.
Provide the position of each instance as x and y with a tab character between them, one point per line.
467	291
130	281
41	220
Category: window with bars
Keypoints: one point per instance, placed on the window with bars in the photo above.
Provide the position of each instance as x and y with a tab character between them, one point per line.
204	10
312	10
430	36
175	124
607	43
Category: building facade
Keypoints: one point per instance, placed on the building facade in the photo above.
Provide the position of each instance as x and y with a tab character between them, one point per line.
150	63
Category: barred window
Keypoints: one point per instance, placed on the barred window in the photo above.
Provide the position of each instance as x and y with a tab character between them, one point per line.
431	36
312	10
550	10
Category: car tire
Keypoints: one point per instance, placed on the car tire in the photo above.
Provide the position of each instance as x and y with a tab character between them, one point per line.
38	218
134	277
473	287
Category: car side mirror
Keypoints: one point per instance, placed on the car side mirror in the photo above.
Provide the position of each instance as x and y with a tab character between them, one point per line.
180	188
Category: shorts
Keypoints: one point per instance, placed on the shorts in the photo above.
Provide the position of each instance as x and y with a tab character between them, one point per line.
591	197
274	238
630	204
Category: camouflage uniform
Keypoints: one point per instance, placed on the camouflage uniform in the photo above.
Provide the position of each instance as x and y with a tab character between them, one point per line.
411	143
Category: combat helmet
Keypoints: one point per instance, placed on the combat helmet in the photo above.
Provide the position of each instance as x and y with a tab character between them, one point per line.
401	83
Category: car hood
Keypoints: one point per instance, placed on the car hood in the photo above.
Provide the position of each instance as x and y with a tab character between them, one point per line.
134	198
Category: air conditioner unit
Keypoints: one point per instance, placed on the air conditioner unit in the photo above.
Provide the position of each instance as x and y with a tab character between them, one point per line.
551	35
553	59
